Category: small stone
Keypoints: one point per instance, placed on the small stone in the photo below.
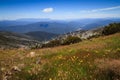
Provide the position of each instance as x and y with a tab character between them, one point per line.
32	54
15	68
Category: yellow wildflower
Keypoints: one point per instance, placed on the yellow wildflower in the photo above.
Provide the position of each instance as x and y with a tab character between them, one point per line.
96	51
73	56
50	78
81	61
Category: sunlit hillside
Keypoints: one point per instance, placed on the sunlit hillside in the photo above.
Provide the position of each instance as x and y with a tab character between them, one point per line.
94	59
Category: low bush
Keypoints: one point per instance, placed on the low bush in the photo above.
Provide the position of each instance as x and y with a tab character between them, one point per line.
111	29
71	40
52	43
68	40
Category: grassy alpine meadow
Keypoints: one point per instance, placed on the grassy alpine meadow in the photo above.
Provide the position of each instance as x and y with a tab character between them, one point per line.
95	59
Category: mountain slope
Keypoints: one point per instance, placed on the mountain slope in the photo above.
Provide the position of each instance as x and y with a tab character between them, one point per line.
98	24
41	36
15	40
93	59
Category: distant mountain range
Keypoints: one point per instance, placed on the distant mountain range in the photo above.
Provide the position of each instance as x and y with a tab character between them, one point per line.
97	23
29	32
34	34
48	26
23	21
54	26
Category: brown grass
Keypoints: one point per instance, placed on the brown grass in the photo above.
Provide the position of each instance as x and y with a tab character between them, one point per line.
108	67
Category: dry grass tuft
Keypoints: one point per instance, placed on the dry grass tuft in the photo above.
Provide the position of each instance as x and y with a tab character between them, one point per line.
108	69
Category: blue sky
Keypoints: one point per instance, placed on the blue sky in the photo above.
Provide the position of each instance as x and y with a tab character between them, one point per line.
59	9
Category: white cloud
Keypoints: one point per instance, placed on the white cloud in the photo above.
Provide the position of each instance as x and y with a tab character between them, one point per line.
103	9
48	10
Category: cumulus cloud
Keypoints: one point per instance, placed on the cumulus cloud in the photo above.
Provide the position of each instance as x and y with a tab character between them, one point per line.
102	9
47	10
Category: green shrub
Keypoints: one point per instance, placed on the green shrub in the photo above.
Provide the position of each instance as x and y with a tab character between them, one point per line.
52	43
66	41
111	29
71	40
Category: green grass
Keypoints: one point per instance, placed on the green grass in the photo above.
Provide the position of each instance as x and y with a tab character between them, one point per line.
87	60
